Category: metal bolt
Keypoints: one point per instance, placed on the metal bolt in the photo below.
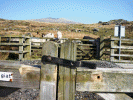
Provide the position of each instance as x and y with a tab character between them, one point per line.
71	63
49	58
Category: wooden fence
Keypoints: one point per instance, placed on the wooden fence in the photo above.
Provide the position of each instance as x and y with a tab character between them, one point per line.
104	51
121	52
21	45
58	82
86	49
36	46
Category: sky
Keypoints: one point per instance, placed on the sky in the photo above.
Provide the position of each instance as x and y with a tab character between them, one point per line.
83	11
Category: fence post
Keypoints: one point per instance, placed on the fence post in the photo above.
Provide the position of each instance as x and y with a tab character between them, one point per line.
10	39
101	47
28	47
112	49
66	84
98	48
21	48
48	73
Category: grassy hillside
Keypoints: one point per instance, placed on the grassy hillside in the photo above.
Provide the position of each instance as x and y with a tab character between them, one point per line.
19	27
69	30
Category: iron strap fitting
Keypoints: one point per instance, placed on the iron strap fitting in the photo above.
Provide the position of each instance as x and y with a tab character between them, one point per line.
67	63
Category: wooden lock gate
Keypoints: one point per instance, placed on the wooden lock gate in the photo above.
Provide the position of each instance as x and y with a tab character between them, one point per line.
60	82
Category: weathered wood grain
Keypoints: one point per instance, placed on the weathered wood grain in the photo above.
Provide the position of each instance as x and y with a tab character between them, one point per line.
104	80
66	88
48	79
24	76
115	96
21	45
112	50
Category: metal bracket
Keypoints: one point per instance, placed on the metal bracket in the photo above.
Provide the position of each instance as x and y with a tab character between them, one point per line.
67	63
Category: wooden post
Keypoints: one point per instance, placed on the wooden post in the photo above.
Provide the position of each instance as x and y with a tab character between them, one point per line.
112	50
101	46
10	39
28	47
66	84
21	48
0	39
98	48
48	73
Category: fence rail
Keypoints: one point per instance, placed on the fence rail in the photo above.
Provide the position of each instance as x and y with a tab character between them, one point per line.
61	82
20	43
123	52
36	46
86	49
104	49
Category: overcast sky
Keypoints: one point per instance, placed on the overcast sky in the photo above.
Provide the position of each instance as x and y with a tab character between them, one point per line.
84	11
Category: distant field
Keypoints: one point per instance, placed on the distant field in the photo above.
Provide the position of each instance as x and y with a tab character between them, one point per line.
68	30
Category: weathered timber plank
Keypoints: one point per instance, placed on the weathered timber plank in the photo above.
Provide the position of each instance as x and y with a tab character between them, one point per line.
66	88
21	49
104	80
122	55
61	76
82	54
37	49
67	85
15	36
48	73
73	72
30	76
112	51
115	96
101	46
121	39
37	46
85	45
123	50
10	51
122	47
15	44
24	76
85	39
28	48
126	61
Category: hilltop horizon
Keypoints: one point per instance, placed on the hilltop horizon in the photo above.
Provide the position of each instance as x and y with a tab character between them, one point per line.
63	20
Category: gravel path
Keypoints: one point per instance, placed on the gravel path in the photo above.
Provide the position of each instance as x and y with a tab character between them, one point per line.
20	94
100	64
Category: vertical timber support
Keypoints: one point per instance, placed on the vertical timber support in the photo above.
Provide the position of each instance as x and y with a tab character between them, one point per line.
28	47
112	50
101	47
0	39
10	39
48	79
66	84
97	48
21	48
